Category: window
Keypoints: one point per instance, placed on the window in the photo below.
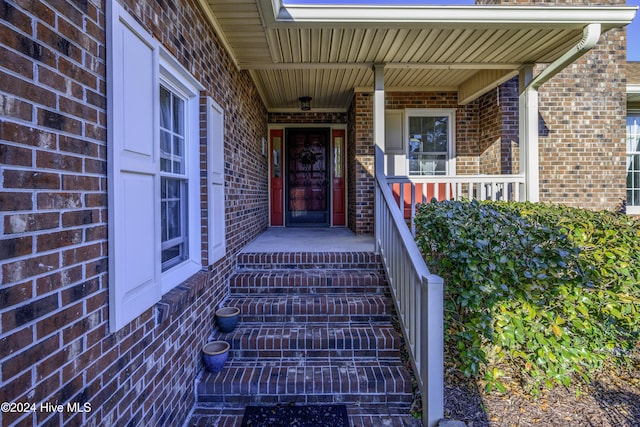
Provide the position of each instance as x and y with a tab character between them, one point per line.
174	181
633	161
430	149
154	176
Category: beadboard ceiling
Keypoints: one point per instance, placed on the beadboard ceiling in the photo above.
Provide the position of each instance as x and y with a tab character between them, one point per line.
327	52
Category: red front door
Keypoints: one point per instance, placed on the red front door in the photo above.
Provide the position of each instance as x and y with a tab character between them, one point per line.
307	180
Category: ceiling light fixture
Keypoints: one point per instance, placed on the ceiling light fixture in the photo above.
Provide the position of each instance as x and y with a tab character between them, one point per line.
305	103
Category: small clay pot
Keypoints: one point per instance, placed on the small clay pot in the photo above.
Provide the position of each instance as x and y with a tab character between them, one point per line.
215	355
227	318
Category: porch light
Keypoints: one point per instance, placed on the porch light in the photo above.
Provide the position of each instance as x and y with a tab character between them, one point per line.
305	103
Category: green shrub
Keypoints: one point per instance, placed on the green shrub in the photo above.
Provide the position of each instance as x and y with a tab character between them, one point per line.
551	291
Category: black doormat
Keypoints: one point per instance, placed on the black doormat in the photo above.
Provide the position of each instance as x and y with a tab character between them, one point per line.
296	416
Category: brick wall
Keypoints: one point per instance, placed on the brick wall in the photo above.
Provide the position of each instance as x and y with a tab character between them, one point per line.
361	165
55	344
582	148
582	130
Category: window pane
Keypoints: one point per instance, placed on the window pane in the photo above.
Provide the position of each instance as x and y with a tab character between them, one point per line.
633	133
165	151
633	180
165	108
178	154
427	164
178	116
173	205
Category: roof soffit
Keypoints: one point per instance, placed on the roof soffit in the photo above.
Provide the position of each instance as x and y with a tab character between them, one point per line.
422	47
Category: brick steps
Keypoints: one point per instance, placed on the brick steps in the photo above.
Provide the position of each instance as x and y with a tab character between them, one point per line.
312	341
316	308
340	380
314	328
307	281
309	260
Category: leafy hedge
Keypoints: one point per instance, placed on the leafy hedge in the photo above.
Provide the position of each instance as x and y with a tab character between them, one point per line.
552	291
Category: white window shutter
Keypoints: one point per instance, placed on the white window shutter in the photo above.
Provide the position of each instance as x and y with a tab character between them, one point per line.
215	173
134	254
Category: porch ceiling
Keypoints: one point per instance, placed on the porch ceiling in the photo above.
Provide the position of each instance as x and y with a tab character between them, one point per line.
328	51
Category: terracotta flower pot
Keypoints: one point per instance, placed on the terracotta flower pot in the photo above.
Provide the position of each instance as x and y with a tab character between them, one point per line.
215	355
227	318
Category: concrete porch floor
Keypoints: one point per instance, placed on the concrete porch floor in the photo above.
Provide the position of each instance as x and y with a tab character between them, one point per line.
310	239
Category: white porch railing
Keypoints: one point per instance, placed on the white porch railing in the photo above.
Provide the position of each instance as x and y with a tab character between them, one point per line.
416	190
418	297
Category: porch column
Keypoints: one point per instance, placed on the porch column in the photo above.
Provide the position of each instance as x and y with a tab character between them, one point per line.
528	118
378	138
378	117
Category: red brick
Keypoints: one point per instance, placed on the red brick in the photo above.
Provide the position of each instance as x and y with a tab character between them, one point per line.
15	17
13	107
95	166
55	120
59	320
58	279
15	201
79	146
83	217
82	254
79	291
77	73
26	90
15	132
20	223
57	81
59	200
19	270
48	160
58	42
14	155
60	239
96	233
29	357
18	246
30	179
13	343
80	183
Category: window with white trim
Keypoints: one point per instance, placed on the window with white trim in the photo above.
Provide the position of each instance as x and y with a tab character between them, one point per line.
430	141
633	161
153	121
174	181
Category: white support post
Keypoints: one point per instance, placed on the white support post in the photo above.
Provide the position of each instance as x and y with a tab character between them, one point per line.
378	116
378	130
528	108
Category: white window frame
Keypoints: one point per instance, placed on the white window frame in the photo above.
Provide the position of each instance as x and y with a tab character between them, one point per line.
175	78
632	209
450	113
136	66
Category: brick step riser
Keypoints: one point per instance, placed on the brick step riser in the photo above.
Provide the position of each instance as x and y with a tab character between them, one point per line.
261	283
266	290
316	318
373	266
262	343
363	261
389	355
267	399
